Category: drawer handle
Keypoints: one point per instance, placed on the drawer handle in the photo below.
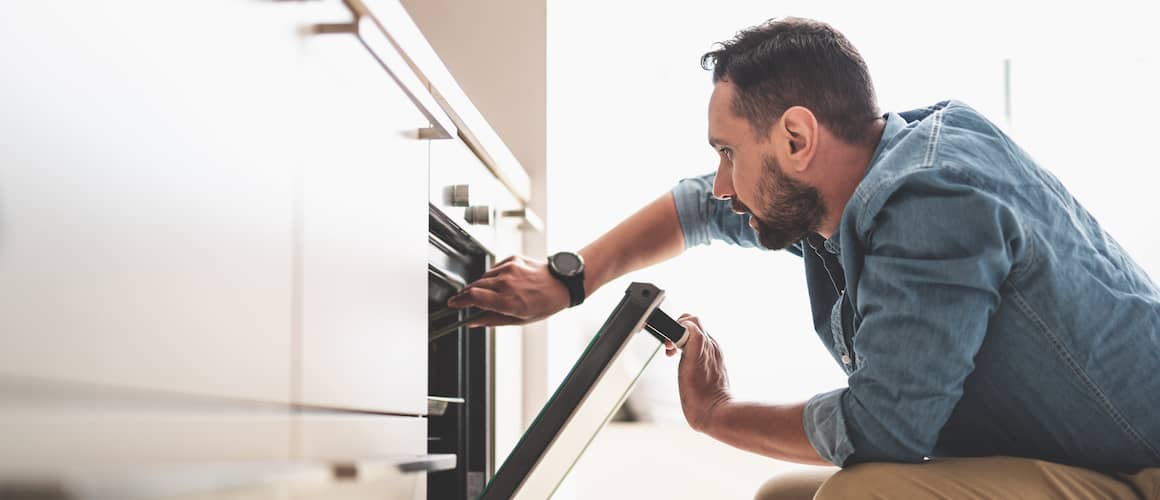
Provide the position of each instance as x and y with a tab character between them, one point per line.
437	405
375	39
357	470
529	221
430	463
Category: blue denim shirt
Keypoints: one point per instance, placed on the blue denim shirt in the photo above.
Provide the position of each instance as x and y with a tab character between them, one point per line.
975	306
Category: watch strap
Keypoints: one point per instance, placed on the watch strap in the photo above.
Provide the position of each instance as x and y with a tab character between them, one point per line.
575	286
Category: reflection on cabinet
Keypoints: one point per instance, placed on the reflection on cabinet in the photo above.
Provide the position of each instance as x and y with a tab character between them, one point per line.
146	193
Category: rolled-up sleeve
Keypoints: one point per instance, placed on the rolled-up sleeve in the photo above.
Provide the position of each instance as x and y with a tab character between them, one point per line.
704	218
935	259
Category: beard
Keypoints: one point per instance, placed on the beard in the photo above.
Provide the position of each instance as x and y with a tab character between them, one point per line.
794	208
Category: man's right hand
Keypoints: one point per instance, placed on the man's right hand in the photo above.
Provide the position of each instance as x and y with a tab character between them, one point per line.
516	291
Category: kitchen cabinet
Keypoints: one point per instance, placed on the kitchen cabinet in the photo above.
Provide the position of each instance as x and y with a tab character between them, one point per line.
147	169
214	241
364	231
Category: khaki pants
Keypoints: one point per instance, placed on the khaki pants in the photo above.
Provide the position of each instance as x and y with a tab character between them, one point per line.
965	478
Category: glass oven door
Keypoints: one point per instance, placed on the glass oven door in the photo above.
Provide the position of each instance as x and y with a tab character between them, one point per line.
590	394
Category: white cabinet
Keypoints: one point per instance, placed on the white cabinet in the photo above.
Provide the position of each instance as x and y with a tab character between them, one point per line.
364	231
147	157
214	236
358	442
199	196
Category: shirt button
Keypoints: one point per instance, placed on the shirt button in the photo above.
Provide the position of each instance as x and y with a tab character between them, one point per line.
846	359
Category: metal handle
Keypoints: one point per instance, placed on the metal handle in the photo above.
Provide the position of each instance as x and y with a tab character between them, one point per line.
375	39
664	327
429	463
357	470
437	405
458	195
529	221
479	215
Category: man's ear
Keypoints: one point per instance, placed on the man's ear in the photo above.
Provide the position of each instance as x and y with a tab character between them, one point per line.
798	128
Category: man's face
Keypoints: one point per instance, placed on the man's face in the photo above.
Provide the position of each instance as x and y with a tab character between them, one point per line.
782	210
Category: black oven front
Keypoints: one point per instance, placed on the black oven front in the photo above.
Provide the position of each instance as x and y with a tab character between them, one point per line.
459	365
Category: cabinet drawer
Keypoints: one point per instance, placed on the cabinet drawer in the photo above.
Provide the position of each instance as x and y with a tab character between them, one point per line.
369	448
48	428
352	438
146	194
364	232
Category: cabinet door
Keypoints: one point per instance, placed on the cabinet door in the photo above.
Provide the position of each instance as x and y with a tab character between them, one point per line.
146	194
364	241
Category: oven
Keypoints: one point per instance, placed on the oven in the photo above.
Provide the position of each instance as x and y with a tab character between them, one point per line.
474	218
459	364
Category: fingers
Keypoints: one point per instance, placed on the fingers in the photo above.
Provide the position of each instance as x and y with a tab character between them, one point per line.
692	318
497	270
462	298
490	283
508	266
700	349
504	266
695	334
505	260
482	298
670	349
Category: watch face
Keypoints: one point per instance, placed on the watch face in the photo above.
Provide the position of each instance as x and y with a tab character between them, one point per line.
566	263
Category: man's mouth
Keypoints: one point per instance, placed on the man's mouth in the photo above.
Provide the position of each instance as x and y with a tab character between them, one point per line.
738	208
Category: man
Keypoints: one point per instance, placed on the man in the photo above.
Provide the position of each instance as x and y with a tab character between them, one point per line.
997	342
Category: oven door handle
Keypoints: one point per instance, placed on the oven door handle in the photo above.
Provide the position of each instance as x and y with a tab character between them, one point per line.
446	276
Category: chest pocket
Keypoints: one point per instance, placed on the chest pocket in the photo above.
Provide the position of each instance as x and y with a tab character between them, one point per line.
842	327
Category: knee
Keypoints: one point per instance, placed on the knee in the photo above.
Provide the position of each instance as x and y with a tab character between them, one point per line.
862	481
800	485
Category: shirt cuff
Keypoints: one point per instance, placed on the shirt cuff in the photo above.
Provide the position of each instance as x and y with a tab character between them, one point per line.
690	197
825	425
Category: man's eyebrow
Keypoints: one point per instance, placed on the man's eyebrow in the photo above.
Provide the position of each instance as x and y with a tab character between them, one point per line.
716	143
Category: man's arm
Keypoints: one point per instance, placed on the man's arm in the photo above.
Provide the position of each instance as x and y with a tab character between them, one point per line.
650	236
520	290
775	431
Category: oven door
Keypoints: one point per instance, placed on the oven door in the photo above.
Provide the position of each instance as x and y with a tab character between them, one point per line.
590	394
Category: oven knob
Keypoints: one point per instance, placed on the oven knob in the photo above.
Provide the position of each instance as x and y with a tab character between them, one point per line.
458	195
478	214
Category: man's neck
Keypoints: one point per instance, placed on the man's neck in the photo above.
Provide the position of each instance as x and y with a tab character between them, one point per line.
847	165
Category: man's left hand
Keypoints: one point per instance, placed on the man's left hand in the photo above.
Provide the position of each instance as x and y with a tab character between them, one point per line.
701	377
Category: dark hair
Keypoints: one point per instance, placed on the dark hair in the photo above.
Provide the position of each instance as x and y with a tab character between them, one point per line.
797	62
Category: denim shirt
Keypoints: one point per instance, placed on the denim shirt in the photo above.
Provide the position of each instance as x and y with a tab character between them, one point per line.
976	308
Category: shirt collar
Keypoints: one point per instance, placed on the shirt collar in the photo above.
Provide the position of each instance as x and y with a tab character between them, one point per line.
894	124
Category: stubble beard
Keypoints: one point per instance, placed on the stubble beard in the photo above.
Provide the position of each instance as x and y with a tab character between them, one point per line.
794	209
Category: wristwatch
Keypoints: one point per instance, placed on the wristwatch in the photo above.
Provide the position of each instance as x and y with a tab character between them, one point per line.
568	267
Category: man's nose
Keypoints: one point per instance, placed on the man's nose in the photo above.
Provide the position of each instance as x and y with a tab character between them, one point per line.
723	183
